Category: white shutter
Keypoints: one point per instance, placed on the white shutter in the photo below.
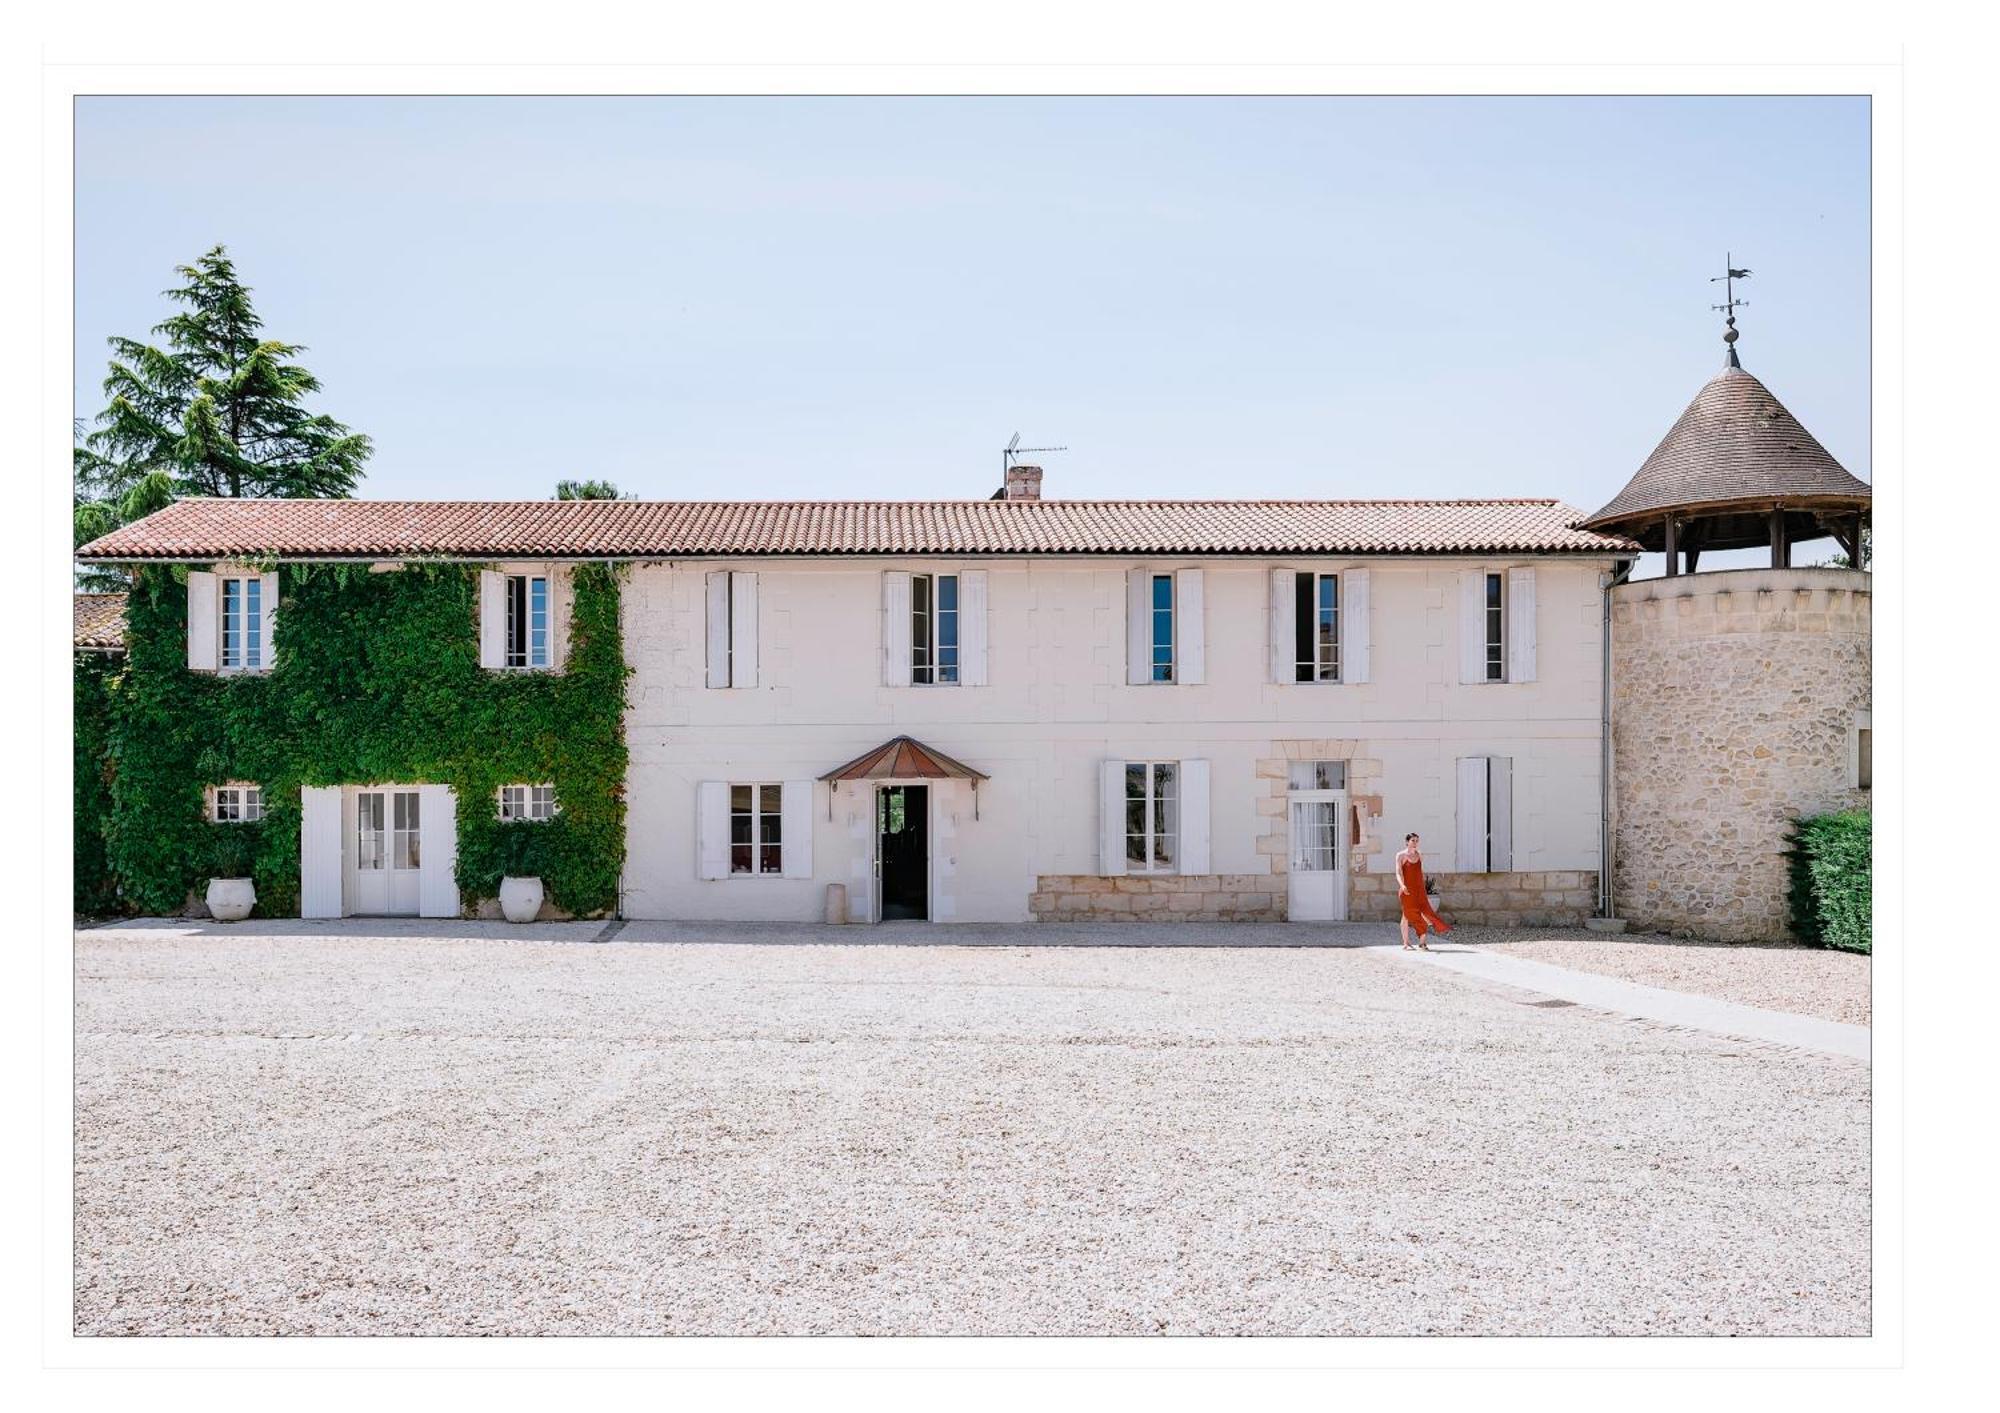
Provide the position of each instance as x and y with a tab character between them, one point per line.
1138	630
319	851
1284	625
743	630
895	628
1500	812
1190	629
1520	625
718	628
972	628
1471	815
796	827
1472	625
492	618
1354	626
1194	816
711	829
267	634
437	883
202	636
1111	818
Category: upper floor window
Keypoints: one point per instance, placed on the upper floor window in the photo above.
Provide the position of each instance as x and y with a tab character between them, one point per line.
527	639
1152	817
1316	627
934	629
1163	628
1496	627
242	622
237	804
532	803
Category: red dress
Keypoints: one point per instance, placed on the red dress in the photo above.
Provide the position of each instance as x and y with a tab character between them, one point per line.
1416	902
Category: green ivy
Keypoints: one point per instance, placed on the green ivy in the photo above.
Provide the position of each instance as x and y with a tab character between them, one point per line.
95	681
377	679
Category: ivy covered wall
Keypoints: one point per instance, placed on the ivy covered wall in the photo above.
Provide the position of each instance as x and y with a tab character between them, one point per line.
94	679
376	680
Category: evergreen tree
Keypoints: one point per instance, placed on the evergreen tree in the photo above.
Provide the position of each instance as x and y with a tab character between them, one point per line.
212	409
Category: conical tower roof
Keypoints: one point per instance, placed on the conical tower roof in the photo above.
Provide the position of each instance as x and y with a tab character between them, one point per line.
1734	456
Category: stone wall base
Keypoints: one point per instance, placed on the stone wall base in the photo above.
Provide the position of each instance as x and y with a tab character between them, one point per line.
1548	899
1213	897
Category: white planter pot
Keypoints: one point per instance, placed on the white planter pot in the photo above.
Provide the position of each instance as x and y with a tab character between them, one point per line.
520	898
230	899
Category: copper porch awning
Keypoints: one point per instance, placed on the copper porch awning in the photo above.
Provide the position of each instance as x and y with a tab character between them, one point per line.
904	758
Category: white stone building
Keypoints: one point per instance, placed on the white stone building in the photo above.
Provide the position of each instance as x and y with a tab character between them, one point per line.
1214	709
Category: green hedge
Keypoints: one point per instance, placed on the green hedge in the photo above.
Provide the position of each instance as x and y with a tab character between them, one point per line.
377	678
1831	880
94	679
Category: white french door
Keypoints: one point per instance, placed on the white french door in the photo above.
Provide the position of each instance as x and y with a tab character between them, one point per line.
385	854
1317	881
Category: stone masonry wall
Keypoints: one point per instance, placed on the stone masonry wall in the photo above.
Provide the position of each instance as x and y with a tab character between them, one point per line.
1550	899
1734	702
1214	897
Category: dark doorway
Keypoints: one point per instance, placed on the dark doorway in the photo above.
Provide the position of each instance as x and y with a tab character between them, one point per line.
902	844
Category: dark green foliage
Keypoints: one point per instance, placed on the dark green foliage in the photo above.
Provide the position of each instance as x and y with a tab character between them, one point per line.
377	678
213	409
95	678
588	490
1831	880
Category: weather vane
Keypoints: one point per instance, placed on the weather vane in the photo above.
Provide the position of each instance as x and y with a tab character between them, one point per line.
1731	303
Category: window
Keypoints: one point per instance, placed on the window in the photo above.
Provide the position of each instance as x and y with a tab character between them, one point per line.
1316	627
242	623
1163	628
1318	775
1152	817
527	642
756	826
934	629
535	803
238	804
1496	627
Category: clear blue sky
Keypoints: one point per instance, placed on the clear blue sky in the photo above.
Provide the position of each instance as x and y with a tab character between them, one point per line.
864	297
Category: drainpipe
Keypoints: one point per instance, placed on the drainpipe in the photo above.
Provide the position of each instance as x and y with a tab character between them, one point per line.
1620	572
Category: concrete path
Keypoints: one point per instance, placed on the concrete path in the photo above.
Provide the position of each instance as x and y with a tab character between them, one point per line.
1679	1009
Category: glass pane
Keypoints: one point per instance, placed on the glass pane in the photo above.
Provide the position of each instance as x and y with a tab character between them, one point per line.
1329	628
770	798
739	828
739	798
253	621
517	621
544	802
769	860
538	622
1135	851
947	593
920	627
232	622
1493	591
770	828
1163	628
1302	628
739	858
402	811
1135	782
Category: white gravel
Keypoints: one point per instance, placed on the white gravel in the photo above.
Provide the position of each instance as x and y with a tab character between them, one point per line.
1807	981
407	1136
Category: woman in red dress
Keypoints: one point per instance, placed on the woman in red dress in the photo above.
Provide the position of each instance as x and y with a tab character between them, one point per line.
1410	892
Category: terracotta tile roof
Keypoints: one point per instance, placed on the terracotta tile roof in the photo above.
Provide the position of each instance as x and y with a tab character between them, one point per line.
100	621
381	529
1735	442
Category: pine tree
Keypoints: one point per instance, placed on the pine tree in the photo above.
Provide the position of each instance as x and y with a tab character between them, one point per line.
213	409
588	490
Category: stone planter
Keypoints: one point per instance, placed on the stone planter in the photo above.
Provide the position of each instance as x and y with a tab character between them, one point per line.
230	899
520	898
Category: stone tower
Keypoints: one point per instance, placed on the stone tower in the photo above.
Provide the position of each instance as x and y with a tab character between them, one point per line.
1739	698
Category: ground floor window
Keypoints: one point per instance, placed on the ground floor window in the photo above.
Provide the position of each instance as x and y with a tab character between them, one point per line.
238	804
535	803
756	829
1152	817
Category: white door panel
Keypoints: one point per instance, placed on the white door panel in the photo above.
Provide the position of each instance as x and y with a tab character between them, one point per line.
1316	884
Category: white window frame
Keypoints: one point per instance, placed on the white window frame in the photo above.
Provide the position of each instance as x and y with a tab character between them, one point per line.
758	817
528	662
927	643
1149	861
243	800
527	804
1154	665
249	641
1493	619
1320	578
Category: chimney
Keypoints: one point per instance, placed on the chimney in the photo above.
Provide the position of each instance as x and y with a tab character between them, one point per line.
1023	483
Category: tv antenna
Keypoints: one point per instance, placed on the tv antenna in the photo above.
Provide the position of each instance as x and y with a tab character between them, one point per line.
1014	451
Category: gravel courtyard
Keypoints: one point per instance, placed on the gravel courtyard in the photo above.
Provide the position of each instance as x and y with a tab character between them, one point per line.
348	1135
